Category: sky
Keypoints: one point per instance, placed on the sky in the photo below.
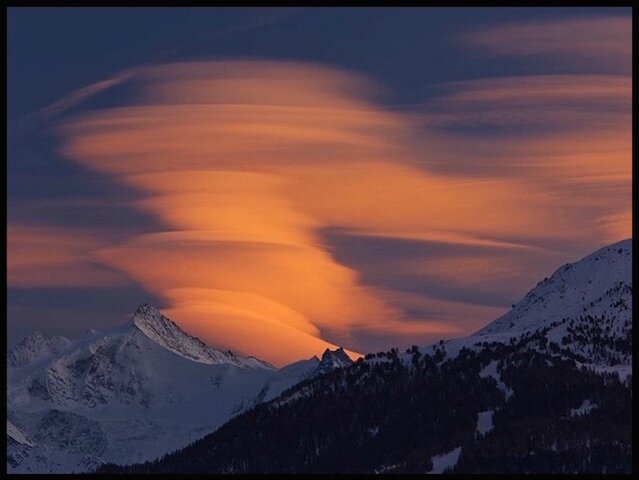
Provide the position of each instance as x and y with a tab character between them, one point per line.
282	180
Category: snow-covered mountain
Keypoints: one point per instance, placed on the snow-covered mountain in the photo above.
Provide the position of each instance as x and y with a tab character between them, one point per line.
583	310
595	285
35	347
128	394
542	389
167	334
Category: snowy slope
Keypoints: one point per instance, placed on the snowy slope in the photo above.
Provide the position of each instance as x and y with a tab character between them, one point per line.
288	376
34	348
584	310
583	287
128	394
167	334
19	447
18	435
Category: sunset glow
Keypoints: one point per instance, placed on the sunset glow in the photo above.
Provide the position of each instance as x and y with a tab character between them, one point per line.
256	170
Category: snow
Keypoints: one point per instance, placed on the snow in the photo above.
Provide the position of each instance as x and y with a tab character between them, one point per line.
288	376
624	372
568	290
35	348
386	468
485	422
164	332
18	435
598	285
490	370
445	460
137	391
584	409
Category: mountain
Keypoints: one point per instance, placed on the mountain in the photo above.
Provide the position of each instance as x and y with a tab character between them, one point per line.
545	388
128	394
583	308
588	287
35	347
19	446
332	360
167	334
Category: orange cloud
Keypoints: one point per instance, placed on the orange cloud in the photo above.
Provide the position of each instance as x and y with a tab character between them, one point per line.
253	323
40	256
571	144
247	162
563	101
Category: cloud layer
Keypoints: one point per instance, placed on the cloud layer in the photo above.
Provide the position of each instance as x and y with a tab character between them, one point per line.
596	41
296	212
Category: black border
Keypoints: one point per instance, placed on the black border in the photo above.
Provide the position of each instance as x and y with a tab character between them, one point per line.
369	3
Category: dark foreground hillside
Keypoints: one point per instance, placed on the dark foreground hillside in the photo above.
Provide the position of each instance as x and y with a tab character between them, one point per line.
502	408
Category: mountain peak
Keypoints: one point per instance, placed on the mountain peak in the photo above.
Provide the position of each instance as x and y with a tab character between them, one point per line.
166	333
147	317
332	359
579	288
338	352
150	321
34	347
146	309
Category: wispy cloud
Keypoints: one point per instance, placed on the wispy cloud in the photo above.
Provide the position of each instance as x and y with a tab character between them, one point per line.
248	162
80	95
586	42
40	256
534	102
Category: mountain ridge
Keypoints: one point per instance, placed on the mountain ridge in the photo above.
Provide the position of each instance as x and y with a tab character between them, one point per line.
129	378
564	300
168	334
117	392
551	394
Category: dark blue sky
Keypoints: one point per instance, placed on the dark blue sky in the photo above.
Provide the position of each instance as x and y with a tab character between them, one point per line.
53	51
